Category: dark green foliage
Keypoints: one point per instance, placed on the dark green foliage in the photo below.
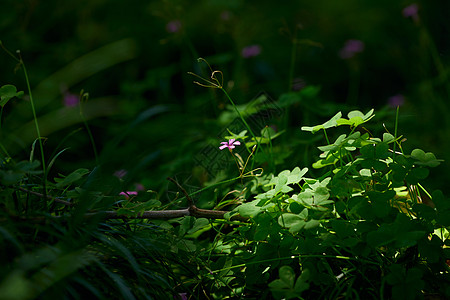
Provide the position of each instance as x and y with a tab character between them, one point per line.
347	209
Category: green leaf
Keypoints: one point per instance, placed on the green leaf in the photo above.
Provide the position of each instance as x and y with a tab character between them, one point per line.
382	150
296	175
311	224
7	92
431	249
368	151
416	175
425	159
321	194
330	160
343	228
18	171
380	202
380	237
306	198
249	210
284	288
295	222
356	118
406	284
388	138
328	124
295	207
287	275
302	281
199	224
409	239
71	178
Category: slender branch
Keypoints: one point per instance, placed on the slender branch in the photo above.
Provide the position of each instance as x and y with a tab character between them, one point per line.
191	210
202	213
170	214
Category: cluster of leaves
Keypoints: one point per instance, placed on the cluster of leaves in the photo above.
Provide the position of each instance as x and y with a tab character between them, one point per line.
365	230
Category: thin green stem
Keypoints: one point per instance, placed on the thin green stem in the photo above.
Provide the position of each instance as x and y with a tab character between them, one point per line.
36	124
85	96
395	132
298	256
326	136
243	119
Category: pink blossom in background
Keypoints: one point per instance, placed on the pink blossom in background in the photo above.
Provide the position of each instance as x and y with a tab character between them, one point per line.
230	144
350	48
396	100
120	173
251	51
411	11
173	26
183	296
139	187
127	194
70	100
298	84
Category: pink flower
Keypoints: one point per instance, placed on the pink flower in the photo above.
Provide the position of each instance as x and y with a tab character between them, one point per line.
251	51
411	11
127	194
173	26
183	296
230	144
120	173
350	48
70	100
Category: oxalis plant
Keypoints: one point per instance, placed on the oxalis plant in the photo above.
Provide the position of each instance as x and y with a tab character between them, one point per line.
366	229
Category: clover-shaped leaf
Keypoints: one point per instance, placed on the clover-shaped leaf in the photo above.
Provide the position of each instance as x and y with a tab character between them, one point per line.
295	222
356	118
328	124
7	92
249	209
425	159
286	281
241	136
296	175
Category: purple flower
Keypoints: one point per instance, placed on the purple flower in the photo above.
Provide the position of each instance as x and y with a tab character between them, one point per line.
350	48
120	173
182	296
127	194
397	100
230	144
173	26
139	187
251	51
411	11
71	100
